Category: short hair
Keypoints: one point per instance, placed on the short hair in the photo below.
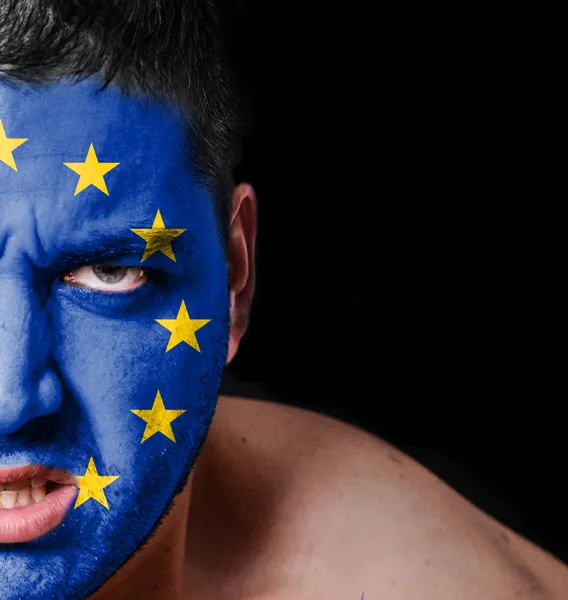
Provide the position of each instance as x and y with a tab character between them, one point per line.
165	50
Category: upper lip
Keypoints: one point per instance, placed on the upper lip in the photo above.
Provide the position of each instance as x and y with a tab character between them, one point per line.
11	474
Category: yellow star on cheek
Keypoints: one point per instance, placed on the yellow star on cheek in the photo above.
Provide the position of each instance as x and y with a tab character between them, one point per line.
183	328
158	239
7	146
158	419
91	172
91	485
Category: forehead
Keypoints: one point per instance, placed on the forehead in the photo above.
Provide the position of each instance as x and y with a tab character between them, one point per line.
61	121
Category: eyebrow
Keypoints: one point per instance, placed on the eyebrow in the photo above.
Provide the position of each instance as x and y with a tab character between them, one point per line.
105	249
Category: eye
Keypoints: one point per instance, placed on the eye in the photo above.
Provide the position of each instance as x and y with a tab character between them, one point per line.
108	278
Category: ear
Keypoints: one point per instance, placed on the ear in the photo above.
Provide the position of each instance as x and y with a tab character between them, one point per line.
240	254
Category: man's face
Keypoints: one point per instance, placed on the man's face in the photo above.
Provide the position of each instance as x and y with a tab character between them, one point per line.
93	337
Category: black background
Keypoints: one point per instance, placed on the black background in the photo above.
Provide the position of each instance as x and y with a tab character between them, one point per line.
392	290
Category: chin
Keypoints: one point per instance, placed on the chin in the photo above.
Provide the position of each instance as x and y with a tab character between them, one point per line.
75	559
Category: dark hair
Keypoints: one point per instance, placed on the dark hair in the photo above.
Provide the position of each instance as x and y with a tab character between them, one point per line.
168	50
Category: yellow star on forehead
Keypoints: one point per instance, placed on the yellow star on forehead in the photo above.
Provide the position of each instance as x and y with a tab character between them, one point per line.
91	172
7	146
158	239
158	419
91	485
183	328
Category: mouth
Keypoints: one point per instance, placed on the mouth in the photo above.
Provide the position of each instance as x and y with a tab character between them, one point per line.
33	501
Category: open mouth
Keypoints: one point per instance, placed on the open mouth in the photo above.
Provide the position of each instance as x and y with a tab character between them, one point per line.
33	501
18	494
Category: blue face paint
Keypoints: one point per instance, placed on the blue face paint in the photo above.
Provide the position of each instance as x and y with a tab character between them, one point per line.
80	368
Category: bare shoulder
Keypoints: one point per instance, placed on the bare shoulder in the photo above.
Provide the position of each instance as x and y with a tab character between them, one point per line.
317	508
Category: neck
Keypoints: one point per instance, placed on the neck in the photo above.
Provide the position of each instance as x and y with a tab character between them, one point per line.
157	570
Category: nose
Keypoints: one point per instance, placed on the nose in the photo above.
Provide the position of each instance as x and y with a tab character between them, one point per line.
28	388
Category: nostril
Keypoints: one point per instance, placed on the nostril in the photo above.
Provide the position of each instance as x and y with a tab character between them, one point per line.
20	404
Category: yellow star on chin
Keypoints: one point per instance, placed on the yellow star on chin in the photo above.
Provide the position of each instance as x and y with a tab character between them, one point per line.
183	328
158	419
91	485
158	239
7	146
91	172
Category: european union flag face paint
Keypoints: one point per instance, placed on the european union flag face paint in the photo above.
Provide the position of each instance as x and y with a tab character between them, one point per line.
114	322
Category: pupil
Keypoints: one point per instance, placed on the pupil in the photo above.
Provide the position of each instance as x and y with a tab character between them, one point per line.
110	273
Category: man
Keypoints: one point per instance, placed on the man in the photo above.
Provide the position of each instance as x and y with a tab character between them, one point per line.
126	278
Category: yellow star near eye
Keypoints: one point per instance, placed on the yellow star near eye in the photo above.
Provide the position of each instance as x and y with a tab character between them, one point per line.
158	239
7	145
183	328
91	172
158	419
91	485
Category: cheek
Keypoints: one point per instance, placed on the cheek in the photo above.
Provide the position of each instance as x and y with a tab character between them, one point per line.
110	367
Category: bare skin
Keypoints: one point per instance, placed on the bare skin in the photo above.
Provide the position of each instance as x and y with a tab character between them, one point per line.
285	503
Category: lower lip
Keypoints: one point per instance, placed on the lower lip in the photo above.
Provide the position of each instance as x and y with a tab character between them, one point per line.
26	523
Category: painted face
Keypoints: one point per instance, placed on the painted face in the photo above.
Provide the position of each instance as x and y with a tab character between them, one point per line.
114	322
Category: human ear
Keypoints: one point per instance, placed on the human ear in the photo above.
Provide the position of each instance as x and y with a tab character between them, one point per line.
240	252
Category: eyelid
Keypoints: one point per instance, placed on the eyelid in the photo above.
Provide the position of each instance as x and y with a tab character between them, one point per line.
145	273
72	263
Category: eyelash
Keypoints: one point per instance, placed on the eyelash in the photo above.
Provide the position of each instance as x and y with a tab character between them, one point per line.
146	271
117	303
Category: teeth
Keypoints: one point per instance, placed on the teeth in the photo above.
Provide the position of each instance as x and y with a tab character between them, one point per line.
22	496
8	498
22	484
38	493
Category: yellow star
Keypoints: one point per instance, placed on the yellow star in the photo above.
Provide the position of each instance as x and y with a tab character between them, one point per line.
91	485
158	419
7	145
91	172
183	328
158	239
